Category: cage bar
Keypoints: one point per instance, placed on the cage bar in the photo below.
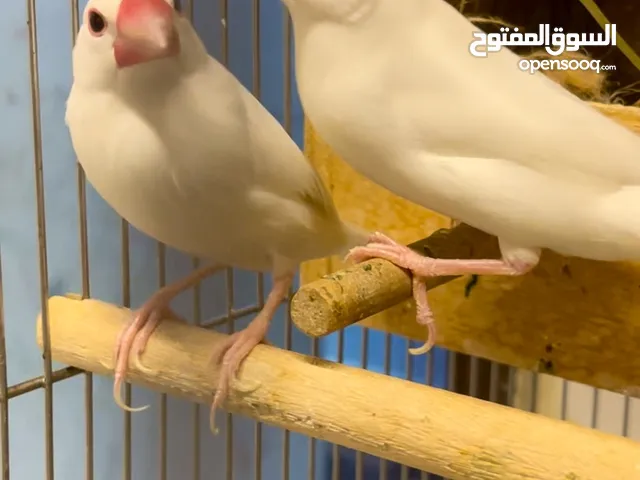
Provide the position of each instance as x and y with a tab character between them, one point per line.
197	317
161	253
84	265
126	301
4	390
42	234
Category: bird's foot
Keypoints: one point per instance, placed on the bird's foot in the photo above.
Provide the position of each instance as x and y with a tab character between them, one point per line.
233	351
142	338
133	340
381	246
421	267
238	345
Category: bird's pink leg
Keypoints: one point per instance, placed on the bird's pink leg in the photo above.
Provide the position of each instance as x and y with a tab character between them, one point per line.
238	345
421	267
145	320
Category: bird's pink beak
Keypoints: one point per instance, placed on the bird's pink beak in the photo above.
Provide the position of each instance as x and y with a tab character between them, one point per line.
145	32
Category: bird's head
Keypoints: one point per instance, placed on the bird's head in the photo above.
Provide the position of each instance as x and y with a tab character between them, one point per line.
116	34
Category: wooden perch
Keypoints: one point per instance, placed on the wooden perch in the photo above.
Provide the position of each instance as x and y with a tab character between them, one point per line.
569	317
427	428
345	297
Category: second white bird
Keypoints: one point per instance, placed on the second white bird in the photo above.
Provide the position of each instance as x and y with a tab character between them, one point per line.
392	87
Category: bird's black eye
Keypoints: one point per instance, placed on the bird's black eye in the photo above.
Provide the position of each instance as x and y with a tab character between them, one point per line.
97	23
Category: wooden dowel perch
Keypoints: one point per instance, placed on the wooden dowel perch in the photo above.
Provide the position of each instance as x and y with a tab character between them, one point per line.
573	318
430	429
345	297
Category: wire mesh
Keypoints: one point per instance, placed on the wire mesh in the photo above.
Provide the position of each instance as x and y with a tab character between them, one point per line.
522	390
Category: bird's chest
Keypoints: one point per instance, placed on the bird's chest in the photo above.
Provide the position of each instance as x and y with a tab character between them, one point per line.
352	119
129	164
162	184
345	97
141	185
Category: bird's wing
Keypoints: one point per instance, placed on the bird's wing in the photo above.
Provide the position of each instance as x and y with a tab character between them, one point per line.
282	169
488	107
293	199
253	144
283	188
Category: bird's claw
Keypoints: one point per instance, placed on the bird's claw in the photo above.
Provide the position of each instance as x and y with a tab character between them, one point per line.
381	246
231	354
132	342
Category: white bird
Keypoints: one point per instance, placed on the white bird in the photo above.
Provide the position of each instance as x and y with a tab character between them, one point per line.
183	152
392	87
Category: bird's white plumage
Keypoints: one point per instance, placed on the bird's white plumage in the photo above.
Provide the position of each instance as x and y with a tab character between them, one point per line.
180	149
392	87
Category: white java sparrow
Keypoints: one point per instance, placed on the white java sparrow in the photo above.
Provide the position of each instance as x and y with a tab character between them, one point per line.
392	87
181	150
